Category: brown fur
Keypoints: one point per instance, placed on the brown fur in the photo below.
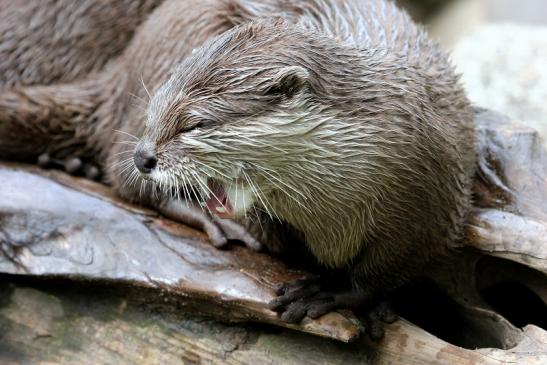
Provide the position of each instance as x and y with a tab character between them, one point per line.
350	105
49	41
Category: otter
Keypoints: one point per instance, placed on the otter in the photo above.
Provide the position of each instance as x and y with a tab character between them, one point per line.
38	49
339	121
50	41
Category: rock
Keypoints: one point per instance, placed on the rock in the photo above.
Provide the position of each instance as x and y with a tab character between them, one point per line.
504	68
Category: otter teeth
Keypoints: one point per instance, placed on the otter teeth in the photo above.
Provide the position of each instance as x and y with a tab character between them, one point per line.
220	209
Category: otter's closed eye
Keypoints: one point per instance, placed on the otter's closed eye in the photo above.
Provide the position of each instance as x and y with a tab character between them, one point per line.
199	125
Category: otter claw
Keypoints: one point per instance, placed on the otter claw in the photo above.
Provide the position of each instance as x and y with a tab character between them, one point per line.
219	231
235	231
290	296
73	166
283	288
305	297
44	160
377	317
92	172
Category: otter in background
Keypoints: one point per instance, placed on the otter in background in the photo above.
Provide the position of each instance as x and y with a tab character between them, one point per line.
342	121
45	42
51	41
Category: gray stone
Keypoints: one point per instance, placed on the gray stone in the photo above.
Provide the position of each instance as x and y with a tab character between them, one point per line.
504	67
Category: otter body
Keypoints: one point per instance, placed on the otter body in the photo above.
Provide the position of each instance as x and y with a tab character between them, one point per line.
341	119
61	40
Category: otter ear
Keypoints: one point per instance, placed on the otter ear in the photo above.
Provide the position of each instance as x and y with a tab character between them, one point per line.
287	81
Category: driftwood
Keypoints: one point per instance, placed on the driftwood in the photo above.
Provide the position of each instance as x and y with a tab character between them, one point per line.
59	227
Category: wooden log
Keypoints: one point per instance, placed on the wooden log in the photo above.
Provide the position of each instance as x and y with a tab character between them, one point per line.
509	219
56	226
49	324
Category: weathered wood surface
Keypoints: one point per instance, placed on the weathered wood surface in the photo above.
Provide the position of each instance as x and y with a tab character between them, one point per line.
510	213
55	226
55	325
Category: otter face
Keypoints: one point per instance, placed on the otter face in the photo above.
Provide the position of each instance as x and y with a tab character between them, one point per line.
231	123
215	128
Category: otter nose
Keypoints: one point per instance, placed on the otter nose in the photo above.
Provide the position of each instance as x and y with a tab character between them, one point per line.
145	161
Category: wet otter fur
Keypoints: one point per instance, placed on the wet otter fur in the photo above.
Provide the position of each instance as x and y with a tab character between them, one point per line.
343	120
51	41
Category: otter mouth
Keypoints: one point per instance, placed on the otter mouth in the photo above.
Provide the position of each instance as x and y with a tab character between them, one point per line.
218	201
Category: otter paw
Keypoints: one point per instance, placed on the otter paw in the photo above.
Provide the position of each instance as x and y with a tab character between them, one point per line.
235	231
377	317
73	166
301	298
293	291
220	231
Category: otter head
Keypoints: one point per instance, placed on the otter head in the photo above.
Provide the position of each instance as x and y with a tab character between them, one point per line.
241	125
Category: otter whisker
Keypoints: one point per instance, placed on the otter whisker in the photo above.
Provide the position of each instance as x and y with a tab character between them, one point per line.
136	181
170	183
252	187
122	152
199	189
212	168
175	192
126	169
257	216
156	193
236	184
260	194
138	99
185	191
142	108
287	194
145	89
166	192
245	208
123	162
123	169
126	133
131	143
194	192
210	192
123	165
169	188
269	177
266	171
257	194
132	179
141	188
162	188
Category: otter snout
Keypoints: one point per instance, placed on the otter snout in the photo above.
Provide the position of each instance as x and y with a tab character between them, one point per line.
145	160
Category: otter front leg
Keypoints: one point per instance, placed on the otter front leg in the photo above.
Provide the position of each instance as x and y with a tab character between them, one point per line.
49	121
306	297
219	231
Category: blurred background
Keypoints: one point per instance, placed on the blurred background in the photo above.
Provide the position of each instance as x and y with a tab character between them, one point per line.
499	47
